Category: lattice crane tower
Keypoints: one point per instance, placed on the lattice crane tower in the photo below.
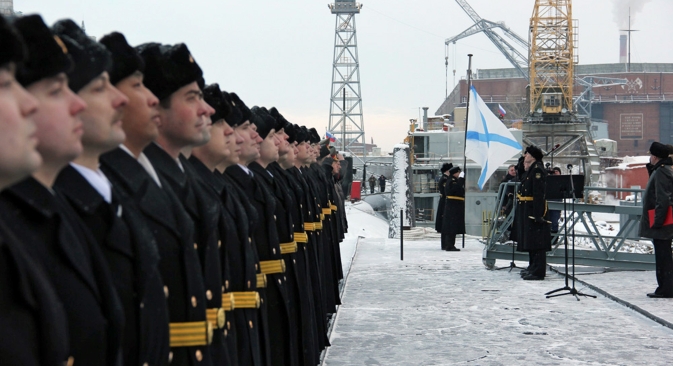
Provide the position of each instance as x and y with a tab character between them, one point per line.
345	111
552	61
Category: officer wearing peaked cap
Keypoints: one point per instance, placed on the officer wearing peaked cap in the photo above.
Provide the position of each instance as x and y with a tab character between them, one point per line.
535	236
454	209
114	221
54	236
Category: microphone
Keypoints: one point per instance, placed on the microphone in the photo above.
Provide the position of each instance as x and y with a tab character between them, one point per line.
569	166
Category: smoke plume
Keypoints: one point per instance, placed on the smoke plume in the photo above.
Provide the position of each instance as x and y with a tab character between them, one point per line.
621	11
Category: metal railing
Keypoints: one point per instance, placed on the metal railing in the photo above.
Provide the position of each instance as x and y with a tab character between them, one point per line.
607	250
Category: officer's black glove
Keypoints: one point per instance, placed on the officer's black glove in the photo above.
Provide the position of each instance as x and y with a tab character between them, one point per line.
539	220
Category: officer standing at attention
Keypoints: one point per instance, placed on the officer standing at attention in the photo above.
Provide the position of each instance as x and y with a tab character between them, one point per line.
129	170
535	229
439	217
657	203
27	299
126	242
454	210
54	236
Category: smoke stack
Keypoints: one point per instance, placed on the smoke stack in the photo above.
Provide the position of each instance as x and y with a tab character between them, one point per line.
425	118
622	49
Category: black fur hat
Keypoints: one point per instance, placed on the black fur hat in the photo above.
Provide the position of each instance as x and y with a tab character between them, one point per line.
262	120
455	170
169	68
314	136
446	167
301	134
659	150
291	133
238	103
535	152
47	54
91	58
234	117
213	96
281	122
12	48
125	59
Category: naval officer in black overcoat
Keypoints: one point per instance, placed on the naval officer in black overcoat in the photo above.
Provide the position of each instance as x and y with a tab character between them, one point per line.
114	221
184	123
269	153
52	234
535	228
309	331
454	210
441	186
27	299
265	237
129	170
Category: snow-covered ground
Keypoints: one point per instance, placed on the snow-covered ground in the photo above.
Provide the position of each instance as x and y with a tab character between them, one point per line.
445	308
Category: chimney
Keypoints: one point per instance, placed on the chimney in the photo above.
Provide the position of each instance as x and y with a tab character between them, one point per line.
425	118
622	49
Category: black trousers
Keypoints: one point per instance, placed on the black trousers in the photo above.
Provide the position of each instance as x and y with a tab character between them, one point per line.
664	259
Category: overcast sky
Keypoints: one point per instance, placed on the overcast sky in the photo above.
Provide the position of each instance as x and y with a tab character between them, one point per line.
279	53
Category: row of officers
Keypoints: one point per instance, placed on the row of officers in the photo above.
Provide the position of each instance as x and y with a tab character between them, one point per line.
149	219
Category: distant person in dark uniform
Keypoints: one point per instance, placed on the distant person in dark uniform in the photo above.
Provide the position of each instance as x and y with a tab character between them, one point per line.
454	210
382	183
555	215
439	216
657	202
372	184
535	229
27	300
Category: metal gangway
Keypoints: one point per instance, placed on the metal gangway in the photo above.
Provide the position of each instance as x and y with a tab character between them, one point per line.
606	250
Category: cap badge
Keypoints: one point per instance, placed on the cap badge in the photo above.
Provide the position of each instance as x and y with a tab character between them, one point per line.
61	44
191	59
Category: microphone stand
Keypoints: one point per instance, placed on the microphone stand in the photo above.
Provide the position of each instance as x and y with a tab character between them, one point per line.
571	291
512	265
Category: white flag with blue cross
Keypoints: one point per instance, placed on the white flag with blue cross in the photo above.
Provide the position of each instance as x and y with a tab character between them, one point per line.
488	143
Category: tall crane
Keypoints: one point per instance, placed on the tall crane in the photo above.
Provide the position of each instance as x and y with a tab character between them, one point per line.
553	121
510	51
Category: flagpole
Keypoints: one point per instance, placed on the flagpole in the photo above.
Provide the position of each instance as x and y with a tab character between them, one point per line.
467	117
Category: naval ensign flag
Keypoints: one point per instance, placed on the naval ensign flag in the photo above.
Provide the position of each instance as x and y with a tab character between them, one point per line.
488	142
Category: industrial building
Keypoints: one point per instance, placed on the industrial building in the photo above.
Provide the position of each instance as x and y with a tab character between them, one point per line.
634	115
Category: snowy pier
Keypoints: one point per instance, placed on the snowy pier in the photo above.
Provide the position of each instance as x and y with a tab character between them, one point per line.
446	308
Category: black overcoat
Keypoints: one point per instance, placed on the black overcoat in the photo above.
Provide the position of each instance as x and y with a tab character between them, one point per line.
60	244
204	212
173	230
28	302
281	342
306	310
454	206
311	216
658	197
535	235
239	273
132	254
439	215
